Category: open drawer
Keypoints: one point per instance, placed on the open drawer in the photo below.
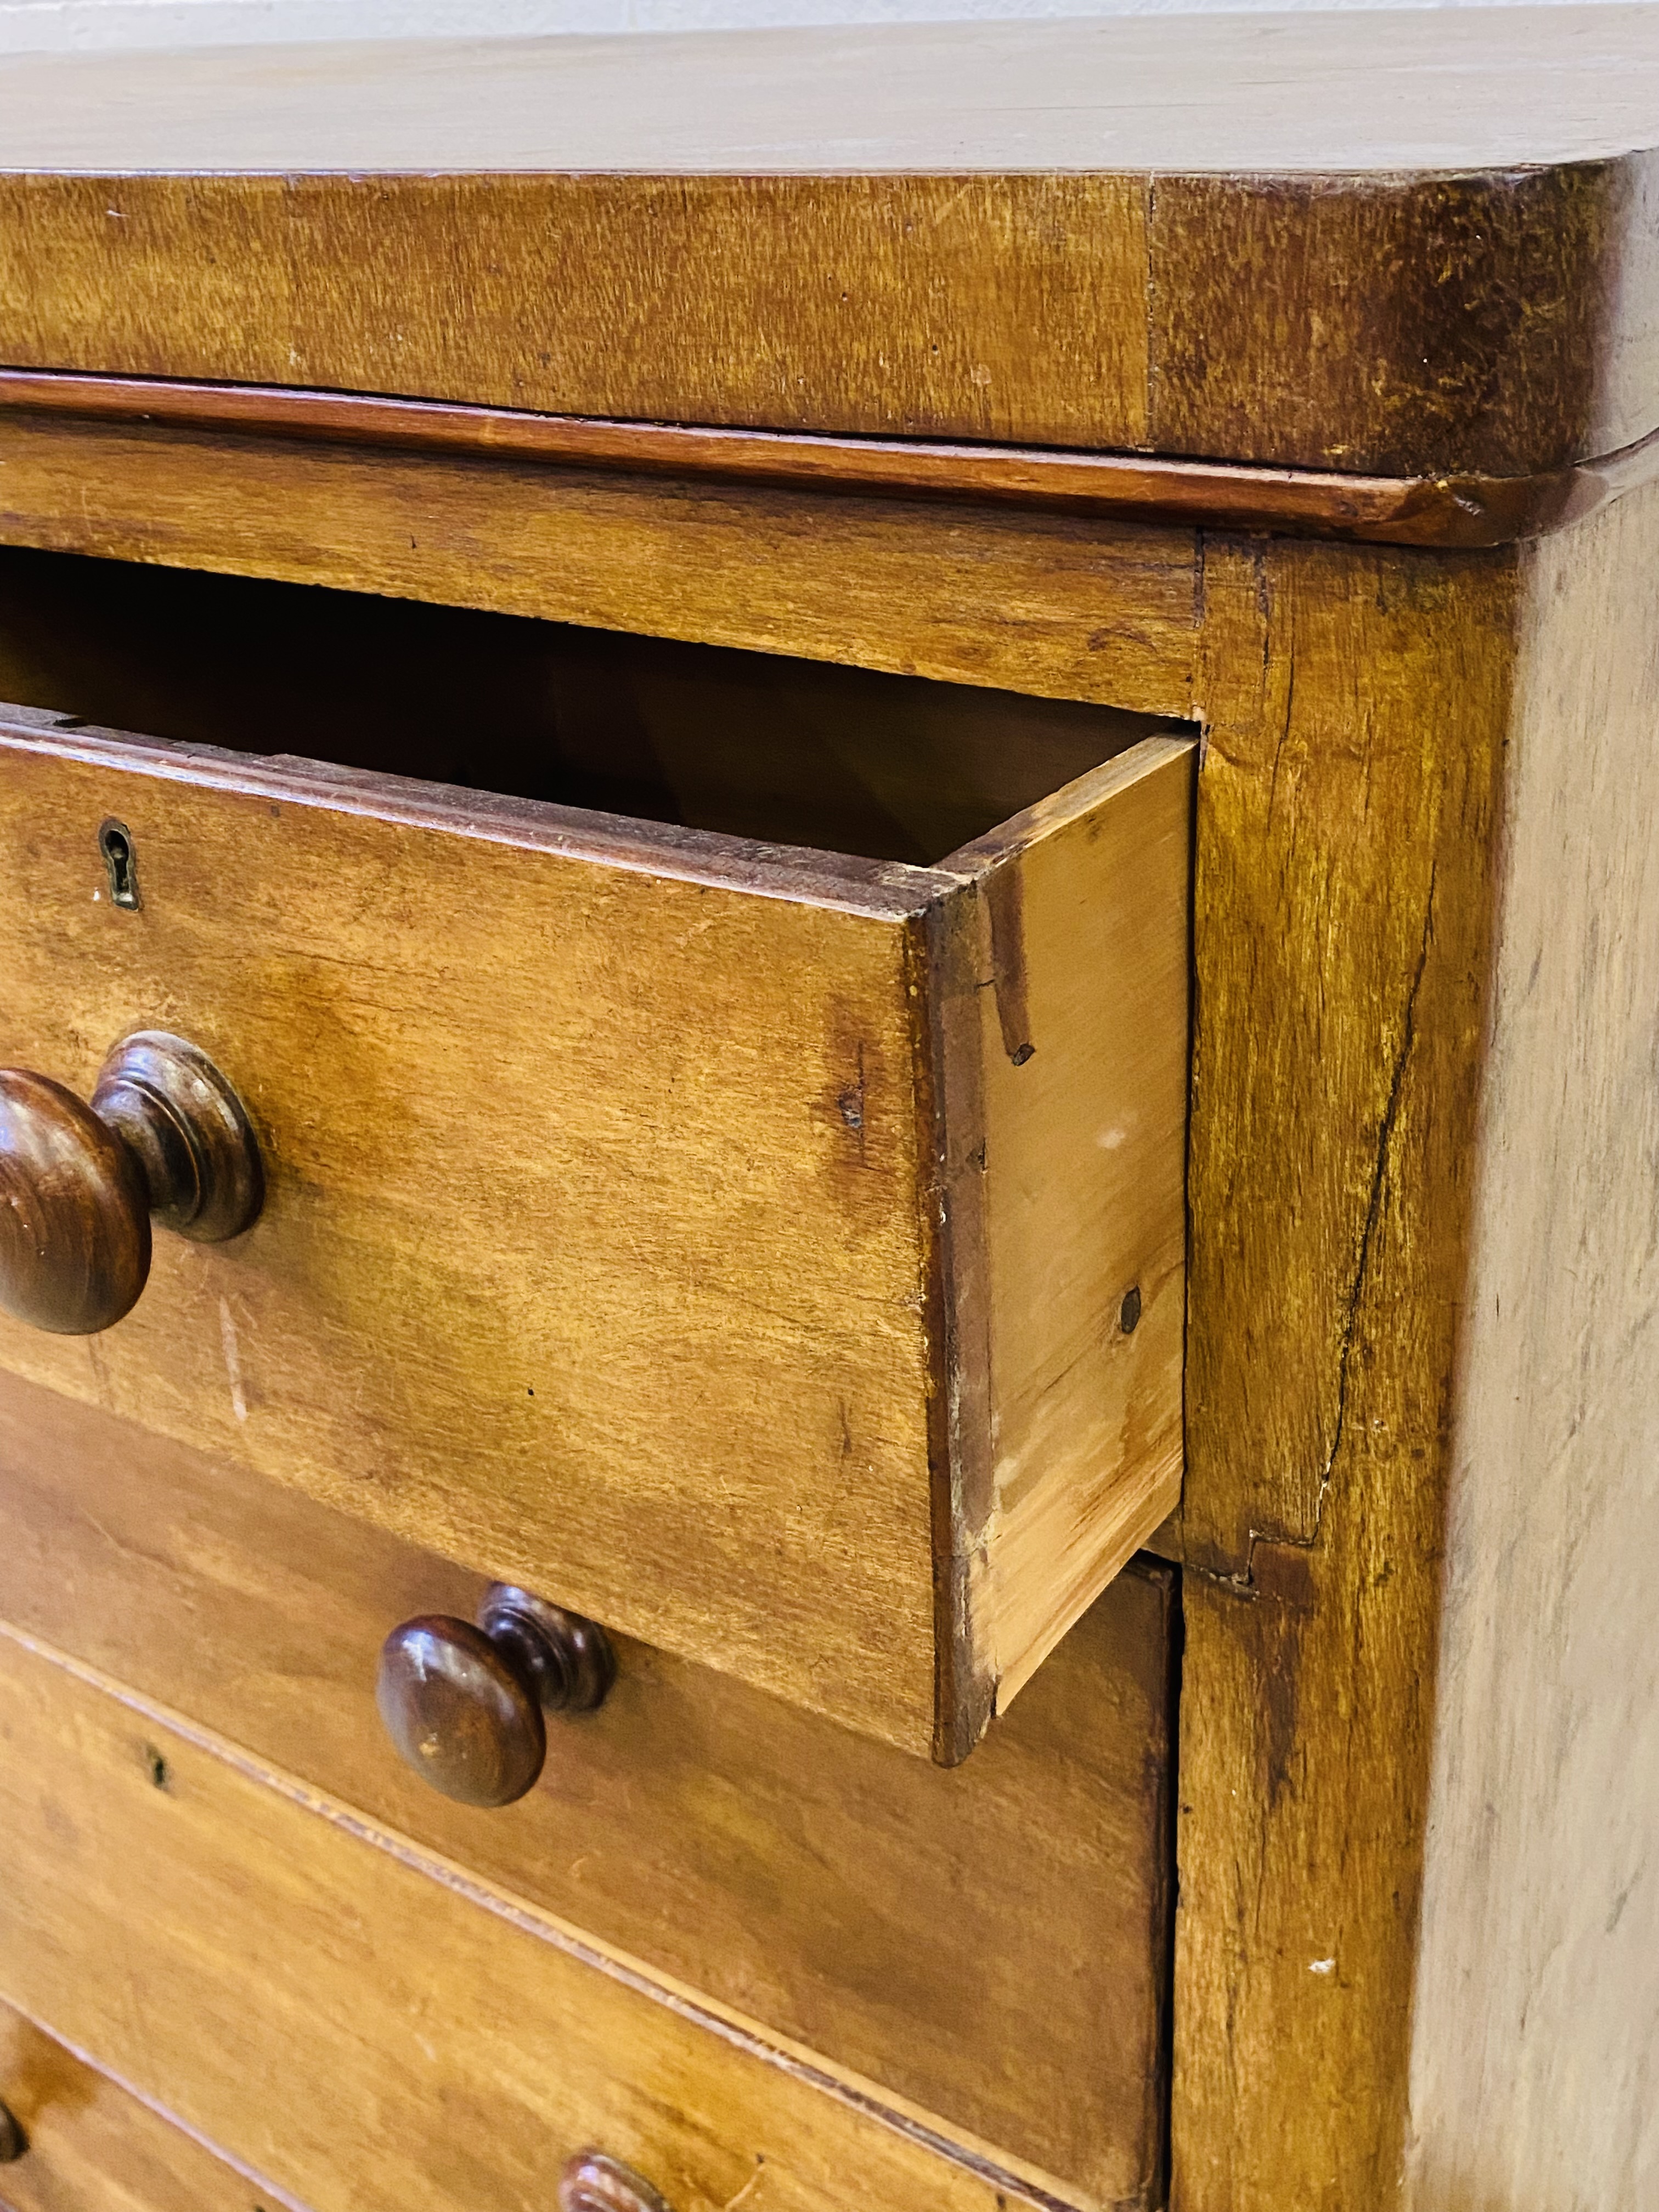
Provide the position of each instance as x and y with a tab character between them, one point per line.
772	1253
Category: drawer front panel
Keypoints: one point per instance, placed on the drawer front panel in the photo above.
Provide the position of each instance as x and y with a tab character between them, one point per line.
94	2148
687	1229
570	1266
988	1943
183	1917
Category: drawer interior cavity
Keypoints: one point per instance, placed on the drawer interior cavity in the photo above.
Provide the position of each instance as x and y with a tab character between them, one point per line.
754	745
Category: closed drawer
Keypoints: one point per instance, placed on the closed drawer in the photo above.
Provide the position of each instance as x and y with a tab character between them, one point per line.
773	1253
89	2146
987	1945
367	2027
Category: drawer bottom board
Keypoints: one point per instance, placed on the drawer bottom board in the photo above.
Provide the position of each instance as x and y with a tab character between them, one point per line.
365	2024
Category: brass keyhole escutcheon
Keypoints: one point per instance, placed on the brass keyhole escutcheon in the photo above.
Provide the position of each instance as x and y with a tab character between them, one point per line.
115	843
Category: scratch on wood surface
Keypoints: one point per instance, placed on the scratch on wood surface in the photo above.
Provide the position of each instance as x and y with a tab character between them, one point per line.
749	2186
1374	1202
1244	1582
1005	905
1284	733
233	1360
103	1389
850	1103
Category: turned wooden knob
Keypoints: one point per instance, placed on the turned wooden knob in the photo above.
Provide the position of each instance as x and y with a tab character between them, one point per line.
165	1134
593	2183
464	1705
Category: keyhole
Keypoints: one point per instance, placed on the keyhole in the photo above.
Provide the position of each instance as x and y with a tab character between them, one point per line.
115	843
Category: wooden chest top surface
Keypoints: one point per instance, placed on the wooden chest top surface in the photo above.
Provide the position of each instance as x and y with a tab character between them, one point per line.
1055	232
1371	91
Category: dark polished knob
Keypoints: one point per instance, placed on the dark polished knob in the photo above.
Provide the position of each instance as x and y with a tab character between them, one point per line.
13	2141
593	2183
165	1134
464	1705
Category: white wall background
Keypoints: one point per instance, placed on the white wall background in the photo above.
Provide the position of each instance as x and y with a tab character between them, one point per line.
58	26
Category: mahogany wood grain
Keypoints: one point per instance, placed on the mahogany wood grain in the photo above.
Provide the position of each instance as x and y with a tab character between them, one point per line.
1275	240
1453	511
920	1926
1318	672
1358	707
1355	700
1349	826
184	1911
1422	1179
92	2143
1055	606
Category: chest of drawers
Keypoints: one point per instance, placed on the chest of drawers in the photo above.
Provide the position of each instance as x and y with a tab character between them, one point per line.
828	959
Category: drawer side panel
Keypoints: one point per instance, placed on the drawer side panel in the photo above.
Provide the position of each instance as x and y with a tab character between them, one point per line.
1067	997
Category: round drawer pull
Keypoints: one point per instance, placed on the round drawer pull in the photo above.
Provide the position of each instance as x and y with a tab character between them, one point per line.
13	2141
165	1134
464	1705
593	2183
